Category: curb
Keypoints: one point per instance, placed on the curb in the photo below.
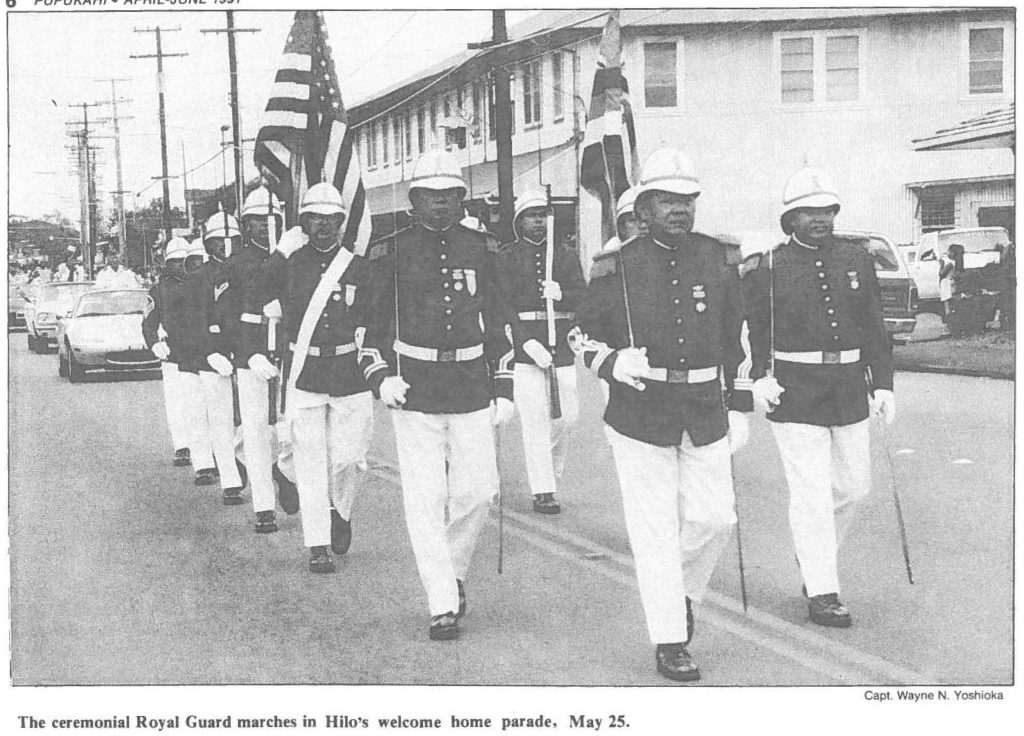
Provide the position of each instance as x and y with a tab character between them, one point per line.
946	370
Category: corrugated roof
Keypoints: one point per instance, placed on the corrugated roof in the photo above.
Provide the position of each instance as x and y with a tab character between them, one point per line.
994	129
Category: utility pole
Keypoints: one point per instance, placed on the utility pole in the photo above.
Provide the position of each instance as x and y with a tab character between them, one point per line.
236	123
502	124
88	159
159	56
119	192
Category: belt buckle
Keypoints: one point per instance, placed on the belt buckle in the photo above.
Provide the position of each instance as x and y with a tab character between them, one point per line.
446	355
678	375
830	358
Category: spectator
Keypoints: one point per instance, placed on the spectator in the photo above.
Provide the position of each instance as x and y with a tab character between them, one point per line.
951	271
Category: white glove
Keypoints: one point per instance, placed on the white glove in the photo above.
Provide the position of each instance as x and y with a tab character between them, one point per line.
552	290
392	391
161	350
501	411
220	364
272	310
291	240
767	393
883	404
630	366
538	352
262	367
739	431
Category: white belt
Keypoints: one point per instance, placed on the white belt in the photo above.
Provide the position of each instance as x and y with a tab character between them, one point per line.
693	375
542	315
349	347
254	319
435	355
820	357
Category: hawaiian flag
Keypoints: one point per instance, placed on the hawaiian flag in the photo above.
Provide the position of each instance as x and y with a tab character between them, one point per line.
304	137
608	164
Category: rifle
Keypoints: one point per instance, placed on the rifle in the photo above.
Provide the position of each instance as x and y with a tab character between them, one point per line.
273	383
550	374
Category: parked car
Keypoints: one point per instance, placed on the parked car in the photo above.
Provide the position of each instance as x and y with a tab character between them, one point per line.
982	247
49	304
104	332
16	302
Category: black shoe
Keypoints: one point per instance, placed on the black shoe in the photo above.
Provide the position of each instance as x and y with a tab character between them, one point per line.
675	663
206	477
444	627
341	533
232	496
182	458
243	474
826	610
545	503
287	492
690	626
265	522
462	598
320	560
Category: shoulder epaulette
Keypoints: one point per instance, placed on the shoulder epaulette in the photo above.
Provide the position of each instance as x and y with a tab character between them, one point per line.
750	264
382	246
605	263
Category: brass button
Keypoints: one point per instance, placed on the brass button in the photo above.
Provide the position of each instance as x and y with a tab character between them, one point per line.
824	287
447	285
675	282
819	264
833	324
680	340
821	274
828	299
444	270
831	310
447	297
444	256
679	320
675	301
835	337
448	312
448	327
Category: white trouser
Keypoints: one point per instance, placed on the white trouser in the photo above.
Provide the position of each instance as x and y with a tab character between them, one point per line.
444	547
263	444
197	425
330	438
679	509
828	469
545	441
220	417
175	398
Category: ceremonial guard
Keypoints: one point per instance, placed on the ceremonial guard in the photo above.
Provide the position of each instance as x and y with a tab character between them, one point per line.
627	226
163	328
436	351
208	286
321	287
257	340
661	323
523	273
820	357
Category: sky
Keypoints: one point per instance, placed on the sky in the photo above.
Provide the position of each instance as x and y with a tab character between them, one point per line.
55	60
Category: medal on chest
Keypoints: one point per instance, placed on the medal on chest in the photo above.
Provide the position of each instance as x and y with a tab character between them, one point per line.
459	277
350	294
699	299
854	280
470	281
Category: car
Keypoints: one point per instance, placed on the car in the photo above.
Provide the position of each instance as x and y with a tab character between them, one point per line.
50	302
982	246
104	332
899	293
16	301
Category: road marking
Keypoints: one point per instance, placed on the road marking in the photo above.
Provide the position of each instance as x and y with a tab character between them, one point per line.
905	451
963	461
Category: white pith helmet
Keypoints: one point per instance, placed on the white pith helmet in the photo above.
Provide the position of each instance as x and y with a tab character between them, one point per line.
322	199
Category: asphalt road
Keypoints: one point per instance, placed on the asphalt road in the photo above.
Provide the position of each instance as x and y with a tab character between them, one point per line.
123	572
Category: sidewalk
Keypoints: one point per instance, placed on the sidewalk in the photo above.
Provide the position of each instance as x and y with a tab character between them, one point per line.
930	349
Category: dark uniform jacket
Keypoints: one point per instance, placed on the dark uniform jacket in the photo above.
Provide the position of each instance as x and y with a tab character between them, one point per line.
173	308
292	281
521	268
826	299
248	329
449	296
684	305
209	289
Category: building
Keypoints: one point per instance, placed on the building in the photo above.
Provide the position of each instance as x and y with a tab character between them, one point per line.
750	94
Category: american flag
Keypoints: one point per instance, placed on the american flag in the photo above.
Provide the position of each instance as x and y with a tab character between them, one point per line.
608	164
304	138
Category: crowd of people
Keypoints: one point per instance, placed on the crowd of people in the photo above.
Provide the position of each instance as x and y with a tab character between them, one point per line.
293	335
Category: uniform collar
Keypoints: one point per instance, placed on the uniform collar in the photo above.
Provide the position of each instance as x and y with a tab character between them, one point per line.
663	245
535	243
435	230
796	241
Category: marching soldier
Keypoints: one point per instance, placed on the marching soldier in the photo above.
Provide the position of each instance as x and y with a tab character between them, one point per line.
660	323
320	287
437	352
170	333
251	332
522	271
820	358
208	287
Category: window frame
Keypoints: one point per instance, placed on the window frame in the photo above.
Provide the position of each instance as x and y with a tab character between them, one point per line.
371	145
965	59
819	68
532	72
558	86
638	94
385	143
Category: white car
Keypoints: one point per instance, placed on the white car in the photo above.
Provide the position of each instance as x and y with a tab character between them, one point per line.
981	247
105	333
50	303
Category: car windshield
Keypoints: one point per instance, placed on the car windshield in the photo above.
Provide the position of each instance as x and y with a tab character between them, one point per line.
106	303
884	257
976	241
63	294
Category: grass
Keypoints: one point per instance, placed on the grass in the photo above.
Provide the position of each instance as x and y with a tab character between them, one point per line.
989	354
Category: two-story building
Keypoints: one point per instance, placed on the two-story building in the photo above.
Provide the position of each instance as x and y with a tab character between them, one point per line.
751	95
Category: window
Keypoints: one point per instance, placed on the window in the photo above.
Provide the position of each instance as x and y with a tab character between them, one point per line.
985	69
819	67
371	146
407	123
385	143
532	88
433	120
492	126
660	74
938	211
477	111
421	129
556	86
447	120
396	128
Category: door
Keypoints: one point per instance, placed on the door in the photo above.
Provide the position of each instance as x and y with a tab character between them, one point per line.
997	217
